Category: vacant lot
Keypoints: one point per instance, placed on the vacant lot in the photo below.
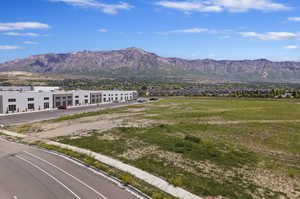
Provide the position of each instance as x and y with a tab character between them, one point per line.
235	148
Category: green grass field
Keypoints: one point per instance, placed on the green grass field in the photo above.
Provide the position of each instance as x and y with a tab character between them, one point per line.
235	148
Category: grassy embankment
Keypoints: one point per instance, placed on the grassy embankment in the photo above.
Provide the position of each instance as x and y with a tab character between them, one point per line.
236	148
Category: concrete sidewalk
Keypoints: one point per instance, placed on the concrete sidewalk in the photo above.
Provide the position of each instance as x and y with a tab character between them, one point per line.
147	177
143	175
13	134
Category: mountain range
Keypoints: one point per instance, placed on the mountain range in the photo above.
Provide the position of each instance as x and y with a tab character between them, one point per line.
138	63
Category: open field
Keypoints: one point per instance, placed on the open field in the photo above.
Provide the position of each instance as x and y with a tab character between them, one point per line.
234	148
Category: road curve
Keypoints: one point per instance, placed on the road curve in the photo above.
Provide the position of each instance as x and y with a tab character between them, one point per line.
27	173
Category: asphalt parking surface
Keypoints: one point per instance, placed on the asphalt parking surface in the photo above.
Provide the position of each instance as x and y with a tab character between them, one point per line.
22	118
29	173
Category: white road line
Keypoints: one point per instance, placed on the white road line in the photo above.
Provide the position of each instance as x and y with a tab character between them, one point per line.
49	175
15	197
65	172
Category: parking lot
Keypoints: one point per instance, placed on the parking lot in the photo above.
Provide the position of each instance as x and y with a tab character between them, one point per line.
22	118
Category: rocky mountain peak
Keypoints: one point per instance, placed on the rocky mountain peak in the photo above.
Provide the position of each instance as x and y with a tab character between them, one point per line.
138	63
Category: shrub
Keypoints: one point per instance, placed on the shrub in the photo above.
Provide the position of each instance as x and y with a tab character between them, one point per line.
181	147
177	181
157	195
192	138
127	178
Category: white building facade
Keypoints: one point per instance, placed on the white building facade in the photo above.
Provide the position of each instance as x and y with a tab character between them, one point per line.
46	98
24	101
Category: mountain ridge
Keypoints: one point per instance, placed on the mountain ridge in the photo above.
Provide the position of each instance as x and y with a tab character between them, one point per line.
138	63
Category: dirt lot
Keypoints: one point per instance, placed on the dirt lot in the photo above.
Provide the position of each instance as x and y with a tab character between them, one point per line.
79	127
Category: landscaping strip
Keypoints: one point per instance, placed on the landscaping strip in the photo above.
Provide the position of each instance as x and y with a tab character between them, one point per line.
145	176
136	185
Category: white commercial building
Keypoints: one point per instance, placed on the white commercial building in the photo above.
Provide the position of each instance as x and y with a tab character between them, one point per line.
118	96
25	99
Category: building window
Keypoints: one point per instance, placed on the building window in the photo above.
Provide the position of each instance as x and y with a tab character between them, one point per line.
76	102
69	97
104	99
64	97
46	98
30	99
86	101
86	96
12	100
57	104
76	96
70	103
12	107
57	98
30	106
46	105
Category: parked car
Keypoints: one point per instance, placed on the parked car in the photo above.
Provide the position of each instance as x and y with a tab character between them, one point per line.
153	99
142	100
62	107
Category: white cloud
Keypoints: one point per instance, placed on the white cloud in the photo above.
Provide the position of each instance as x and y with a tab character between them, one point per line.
297	19
245	5
223	5
9	47
103	30
291	47
271	35
17	34
188	6
22	26
30	42
191	31
106	8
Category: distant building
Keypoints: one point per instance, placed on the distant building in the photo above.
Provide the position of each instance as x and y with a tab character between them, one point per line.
26	99
16	88
44	88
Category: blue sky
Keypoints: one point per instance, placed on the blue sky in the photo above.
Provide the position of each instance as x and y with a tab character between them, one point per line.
218	29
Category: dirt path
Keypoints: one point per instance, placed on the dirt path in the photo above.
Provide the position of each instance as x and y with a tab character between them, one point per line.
106	123
82	125
73	129
250	121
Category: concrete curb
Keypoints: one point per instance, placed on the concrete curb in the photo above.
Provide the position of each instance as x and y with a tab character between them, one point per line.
147	177
134	191
97	171
9	133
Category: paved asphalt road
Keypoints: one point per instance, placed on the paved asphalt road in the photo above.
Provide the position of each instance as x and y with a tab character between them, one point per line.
47	115
29	173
